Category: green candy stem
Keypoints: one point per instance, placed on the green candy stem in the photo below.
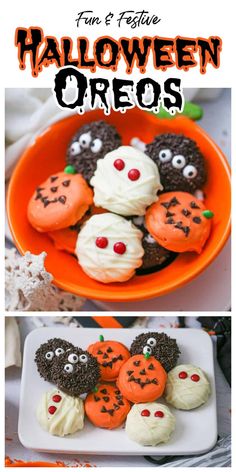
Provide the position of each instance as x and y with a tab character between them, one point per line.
101	337
95	389
70	170
147	355
208	214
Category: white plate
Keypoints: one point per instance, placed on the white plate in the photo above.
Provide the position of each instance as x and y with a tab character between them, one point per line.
196	430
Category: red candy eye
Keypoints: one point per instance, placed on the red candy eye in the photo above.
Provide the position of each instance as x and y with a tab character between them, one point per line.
101	242
183	375
56	398
159	414
134	174
195	378
145	413
119	248
119	164
52	410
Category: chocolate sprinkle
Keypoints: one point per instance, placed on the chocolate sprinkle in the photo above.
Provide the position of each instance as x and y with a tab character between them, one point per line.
43	365
197	220
166	350
194	205
62	199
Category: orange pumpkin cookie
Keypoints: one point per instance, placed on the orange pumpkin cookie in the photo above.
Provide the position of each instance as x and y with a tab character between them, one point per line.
106	408
179	222
111	355
65	239
142	379
59	202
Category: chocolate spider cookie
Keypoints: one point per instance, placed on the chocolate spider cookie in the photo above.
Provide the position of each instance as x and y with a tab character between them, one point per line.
76	372
111	355
180	162
159	345
106	407
91	142
48	354
142	379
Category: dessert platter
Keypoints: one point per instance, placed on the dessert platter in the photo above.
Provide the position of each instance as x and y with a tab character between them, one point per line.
118	391
120	220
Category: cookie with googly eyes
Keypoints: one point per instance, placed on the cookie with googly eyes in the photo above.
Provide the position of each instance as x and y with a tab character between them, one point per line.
159	345
91	142
77	372
48	354
180	162
187	387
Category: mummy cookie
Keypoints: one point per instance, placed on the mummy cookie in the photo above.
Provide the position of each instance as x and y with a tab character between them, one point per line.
109	248
180	162
59	202
106	407
187	387
48	354
150	424
111	355
142	379
91	142
76	372
179	222
60	414
159	345
126	182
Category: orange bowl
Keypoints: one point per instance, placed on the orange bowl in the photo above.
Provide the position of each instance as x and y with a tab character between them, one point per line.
47	156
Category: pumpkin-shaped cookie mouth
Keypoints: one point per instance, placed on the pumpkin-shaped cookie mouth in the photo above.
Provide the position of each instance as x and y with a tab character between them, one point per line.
59	202
179	222
142	378
106	407
111	355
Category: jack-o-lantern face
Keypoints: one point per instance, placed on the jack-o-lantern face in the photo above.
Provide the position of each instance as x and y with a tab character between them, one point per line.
179	222
106	407
111	355
142	379
59	202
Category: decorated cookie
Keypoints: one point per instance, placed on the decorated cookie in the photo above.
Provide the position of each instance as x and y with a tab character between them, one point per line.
48	354
109	248
65	239
106	407
76	372
126	182
180	162
155	256
59	202
111	355
159	345
179	222
187	387
91	142
142	379
150	424
60	414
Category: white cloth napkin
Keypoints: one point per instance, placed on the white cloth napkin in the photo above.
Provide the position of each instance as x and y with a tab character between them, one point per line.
12	343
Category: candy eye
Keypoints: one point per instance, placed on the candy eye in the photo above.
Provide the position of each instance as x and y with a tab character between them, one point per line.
178	162
96	145
151	342
85	140
195	378
73	358
75	148
101	242
183	375
83	358
69	368
119	248
165	155
145	413
159	414
190	172
49	355
59	351
147	350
